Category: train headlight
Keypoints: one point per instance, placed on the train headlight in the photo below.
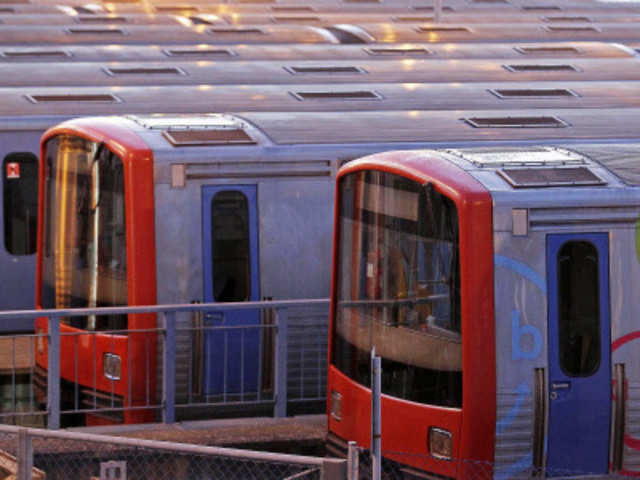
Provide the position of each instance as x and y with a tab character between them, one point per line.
336	405
111	366
440	444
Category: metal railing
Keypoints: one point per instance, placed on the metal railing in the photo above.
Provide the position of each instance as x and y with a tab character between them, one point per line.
27	454
290	368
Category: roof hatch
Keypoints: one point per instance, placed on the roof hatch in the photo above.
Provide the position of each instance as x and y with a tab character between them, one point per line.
245	30
563	29
398	51
199	52
95	31
436	29
516	122
493	157
72	97
551	50
550	177
324	69
338	95
34	53
541	67
113	71
532	92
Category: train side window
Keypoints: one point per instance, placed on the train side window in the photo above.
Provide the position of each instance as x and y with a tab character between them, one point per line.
20	186
230	247
578	309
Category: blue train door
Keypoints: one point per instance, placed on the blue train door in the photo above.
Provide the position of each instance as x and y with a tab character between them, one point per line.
579	354
230	255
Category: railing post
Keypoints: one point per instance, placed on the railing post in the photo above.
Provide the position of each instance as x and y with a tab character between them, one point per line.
53	374
353	461
169	369
281	354
376	416
333	469
24	455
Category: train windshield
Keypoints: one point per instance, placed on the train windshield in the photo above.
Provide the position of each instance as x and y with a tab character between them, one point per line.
398	287
84	261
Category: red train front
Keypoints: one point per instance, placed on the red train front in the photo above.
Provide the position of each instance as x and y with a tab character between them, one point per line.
409	266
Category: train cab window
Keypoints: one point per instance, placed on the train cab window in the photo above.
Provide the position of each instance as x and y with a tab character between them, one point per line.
398	288
84	262
20	187
230	247
578	308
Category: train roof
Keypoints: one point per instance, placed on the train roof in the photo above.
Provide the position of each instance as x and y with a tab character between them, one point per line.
309	72
70	16
74	101
20	35
331	136
336	33
243	52
580	175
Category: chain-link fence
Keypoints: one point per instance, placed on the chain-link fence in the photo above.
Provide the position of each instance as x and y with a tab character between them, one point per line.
402	465
56	455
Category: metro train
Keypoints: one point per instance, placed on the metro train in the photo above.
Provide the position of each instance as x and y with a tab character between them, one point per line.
497	286
229	53
254	195
26	114
405	72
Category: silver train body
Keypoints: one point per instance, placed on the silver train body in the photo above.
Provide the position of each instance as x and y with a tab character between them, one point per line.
324	139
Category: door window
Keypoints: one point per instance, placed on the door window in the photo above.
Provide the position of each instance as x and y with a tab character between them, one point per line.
230	247
578	308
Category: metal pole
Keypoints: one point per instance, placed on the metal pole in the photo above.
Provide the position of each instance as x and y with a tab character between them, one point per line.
281	354
376	416
169	368
437	10
25	455
53	374
353	461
